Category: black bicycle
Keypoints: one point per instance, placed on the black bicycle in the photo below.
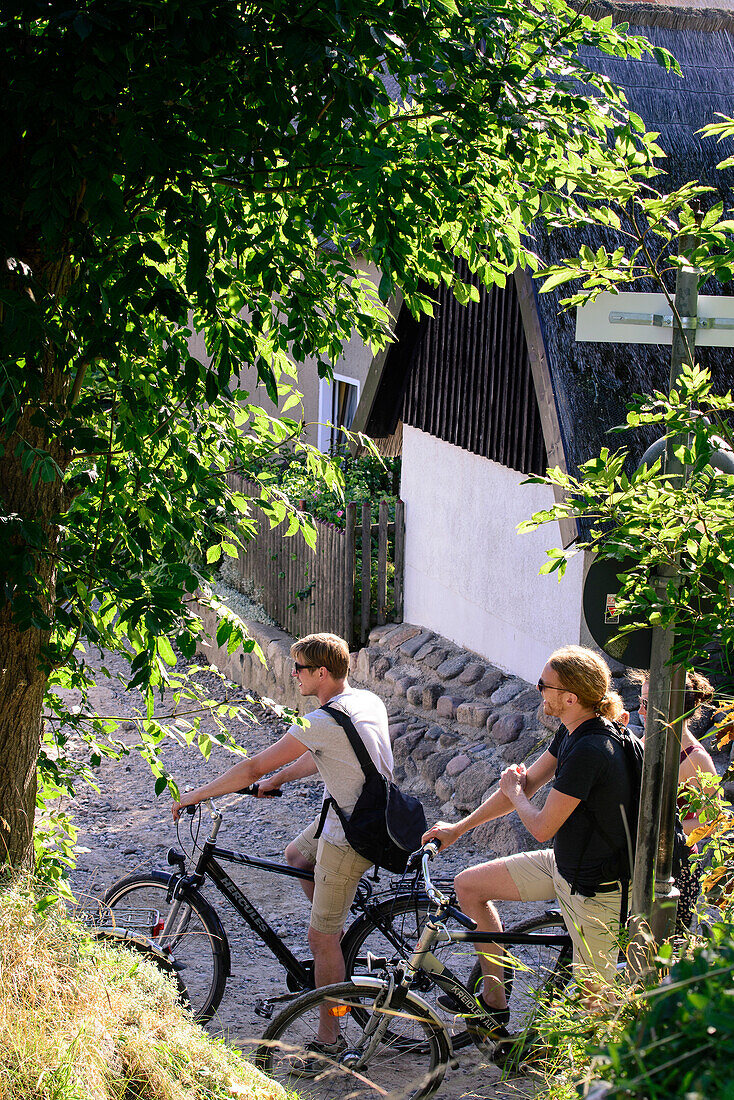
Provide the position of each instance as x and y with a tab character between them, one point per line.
170	909
391	1041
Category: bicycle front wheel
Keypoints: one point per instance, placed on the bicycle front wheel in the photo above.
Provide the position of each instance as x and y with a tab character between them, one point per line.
382	1051
187	930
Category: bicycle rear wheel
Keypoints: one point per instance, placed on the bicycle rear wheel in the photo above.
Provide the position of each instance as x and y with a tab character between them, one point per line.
406	1056
391	930
187	930
539	970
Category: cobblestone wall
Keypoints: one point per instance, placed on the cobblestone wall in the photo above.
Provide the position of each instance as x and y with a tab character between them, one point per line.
455	720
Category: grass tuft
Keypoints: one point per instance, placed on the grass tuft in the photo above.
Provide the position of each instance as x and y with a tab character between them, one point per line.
82	1020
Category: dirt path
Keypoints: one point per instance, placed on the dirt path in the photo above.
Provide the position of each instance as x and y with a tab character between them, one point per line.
124	828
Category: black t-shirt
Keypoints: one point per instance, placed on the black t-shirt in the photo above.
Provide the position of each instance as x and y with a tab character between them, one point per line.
591	766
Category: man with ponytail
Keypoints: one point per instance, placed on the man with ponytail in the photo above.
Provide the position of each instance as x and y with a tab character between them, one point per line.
585	815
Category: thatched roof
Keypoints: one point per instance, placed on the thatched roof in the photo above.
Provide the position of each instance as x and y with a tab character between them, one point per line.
593	382
583	388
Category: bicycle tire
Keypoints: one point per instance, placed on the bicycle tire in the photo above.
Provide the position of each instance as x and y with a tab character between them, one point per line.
405	915
197	944
409	1060
538	969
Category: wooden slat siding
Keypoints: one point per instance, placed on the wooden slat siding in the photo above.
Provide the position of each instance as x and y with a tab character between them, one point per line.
294	574
328	585
471	381
269	554
337	581
332	623
470	420
399	558
350	571
366	571
503	403
382	565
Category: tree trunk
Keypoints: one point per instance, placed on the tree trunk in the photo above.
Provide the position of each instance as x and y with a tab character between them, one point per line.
24	659
21	700
23	669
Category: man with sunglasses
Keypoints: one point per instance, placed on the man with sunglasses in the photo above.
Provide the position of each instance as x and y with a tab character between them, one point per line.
320	665
583	815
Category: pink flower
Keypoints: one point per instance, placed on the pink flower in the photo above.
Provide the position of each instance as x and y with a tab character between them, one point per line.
340	513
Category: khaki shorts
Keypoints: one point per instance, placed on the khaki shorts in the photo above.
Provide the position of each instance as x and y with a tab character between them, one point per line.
337	870
592	923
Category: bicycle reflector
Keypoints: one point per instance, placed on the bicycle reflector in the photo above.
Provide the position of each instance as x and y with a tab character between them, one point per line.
340	1010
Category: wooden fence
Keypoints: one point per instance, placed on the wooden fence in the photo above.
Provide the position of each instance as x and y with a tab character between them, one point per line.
334	587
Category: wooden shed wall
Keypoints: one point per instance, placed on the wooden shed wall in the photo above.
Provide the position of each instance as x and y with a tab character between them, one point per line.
469	379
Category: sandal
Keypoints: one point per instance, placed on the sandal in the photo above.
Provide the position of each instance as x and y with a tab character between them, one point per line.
499	1018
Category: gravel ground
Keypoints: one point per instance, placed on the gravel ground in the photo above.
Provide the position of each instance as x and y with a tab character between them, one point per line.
123	827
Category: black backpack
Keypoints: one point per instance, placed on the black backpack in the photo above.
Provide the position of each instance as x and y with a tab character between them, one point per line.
385	825
620	864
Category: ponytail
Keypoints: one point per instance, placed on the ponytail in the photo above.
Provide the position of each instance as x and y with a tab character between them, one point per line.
611	706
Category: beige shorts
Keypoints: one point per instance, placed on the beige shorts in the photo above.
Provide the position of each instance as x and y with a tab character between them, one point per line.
337	870
592	923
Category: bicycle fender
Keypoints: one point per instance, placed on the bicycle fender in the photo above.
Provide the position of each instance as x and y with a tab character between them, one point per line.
123	937
185	891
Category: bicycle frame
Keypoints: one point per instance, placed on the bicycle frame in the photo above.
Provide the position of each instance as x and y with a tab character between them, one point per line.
207	866
425	961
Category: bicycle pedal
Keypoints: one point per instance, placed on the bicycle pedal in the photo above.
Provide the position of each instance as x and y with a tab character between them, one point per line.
264	1008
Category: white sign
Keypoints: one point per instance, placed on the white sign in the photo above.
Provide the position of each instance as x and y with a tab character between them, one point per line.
631	318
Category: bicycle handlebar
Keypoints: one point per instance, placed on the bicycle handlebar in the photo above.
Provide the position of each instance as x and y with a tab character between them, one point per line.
253	790
427	853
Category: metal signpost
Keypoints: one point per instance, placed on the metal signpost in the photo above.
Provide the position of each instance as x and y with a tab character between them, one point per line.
647	318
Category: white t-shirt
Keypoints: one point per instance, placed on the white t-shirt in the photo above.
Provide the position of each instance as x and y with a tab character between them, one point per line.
334	756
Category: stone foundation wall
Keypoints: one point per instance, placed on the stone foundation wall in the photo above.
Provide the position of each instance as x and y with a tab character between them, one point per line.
456	721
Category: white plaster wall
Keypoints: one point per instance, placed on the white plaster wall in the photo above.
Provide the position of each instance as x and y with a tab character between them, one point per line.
468	574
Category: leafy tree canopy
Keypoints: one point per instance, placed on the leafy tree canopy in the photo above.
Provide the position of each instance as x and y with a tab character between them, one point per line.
214	167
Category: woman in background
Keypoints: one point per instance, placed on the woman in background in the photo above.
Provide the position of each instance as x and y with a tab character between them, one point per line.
694	759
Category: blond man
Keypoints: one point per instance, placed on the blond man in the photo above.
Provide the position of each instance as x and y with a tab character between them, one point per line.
320	665
590	790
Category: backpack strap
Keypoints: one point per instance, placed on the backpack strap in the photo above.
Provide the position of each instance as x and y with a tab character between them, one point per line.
365	762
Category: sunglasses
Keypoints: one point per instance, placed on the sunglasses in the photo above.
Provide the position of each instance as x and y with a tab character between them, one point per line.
299	668
541	686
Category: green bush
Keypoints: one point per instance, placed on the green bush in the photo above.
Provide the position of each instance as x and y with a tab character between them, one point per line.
365	479
681	1047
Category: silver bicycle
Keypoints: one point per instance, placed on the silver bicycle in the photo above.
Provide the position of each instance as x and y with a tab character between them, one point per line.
391	1041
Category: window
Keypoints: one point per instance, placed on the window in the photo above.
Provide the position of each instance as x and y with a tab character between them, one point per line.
337	406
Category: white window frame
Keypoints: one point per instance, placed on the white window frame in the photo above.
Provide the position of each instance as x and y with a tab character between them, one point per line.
326	433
